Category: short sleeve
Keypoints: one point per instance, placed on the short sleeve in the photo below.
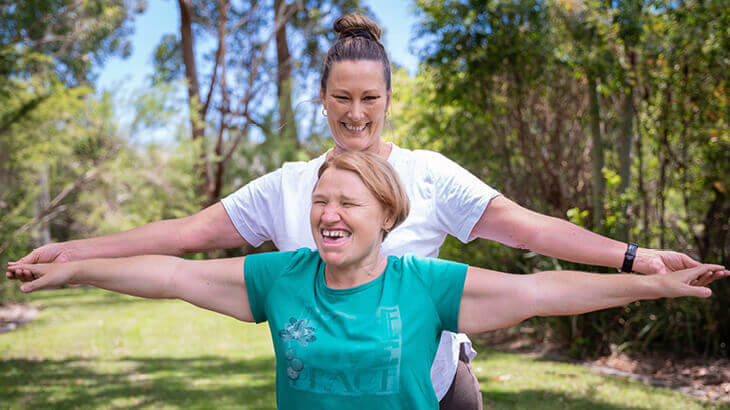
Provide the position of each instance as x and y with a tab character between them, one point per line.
460	197
254	206
444	280
261	271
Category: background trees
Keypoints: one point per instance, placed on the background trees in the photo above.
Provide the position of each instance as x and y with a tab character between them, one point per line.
611	114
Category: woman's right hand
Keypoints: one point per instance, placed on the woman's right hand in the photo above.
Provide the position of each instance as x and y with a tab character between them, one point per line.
41	276
51	253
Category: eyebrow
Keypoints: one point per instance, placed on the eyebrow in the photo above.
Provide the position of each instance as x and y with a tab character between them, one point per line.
341	197
348	199
338	90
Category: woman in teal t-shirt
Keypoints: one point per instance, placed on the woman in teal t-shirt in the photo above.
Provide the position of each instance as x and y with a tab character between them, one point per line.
350	326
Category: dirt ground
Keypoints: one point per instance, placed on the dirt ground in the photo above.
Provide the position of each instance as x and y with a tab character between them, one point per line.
705	378
13	315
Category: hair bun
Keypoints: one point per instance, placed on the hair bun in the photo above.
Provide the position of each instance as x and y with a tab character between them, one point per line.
357	25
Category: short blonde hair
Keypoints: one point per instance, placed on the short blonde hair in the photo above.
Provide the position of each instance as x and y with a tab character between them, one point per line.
380	179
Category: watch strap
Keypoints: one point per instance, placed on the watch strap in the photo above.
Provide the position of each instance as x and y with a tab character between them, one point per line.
629	257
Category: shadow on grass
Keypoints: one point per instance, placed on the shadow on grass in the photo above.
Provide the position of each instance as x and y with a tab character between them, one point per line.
544	399
204	381
84	297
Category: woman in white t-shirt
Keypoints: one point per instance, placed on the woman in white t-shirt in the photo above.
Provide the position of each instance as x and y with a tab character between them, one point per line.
446	199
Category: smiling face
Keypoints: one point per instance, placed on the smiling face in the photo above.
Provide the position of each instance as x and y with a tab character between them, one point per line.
356	100
347	220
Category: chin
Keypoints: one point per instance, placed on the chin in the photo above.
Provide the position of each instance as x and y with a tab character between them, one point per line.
329	256
354	143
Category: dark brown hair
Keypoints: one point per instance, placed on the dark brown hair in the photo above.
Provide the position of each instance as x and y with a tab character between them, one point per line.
359	40
380	179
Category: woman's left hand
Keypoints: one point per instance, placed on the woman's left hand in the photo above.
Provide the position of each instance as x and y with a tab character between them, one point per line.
653	261
689	282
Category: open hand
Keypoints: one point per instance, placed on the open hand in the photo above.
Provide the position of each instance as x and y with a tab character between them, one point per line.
685	282
40	276
51	253
653	261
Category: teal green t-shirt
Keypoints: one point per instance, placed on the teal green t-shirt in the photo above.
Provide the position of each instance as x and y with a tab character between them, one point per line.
367	347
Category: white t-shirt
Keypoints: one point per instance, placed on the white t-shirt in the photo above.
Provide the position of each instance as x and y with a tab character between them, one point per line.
445	199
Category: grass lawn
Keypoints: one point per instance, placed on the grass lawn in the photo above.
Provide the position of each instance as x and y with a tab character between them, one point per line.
96	349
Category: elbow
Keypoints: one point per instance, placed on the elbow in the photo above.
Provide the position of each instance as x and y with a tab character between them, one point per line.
171	287
189	233
539	297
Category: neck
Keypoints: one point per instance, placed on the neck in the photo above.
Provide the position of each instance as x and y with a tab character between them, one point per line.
382	149
355	274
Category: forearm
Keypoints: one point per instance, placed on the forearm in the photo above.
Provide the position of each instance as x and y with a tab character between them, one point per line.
493	300
148	276
158	238
509	223
570	292
561	239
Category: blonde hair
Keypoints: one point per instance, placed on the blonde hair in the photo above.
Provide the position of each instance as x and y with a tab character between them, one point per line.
380	179
359	39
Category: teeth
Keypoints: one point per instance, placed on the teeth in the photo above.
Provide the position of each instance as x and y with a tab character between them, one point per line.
335	234
354	128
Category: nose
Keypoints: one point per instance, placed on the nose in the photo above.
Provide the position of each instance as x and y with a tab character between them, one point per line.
330	213
357	113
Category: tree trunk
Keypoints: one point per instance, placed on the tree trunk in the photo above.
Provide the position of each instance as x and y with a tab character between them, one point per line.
197	117
596	152
627	120
287	124
643	196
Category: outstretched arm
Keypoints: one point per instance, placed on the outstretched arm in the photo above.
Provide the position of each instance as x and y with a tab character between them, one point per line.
507	222
493	300
208	229
216	284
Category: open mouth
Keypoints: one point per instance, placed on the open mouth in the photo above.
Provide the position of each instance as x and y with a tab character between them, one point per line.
355	128
334	237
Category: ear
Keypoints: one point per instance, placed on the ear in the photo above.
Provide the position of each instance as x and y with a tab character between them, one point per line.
388	223
322	96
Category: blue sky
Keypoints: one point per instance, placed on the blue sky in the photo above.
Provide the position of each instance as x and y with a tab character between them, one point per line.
162	17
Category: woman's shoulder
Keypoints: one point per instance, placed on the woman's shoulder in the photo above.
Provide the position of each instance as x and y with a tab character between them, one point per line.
287	261
425	267
422	160
301	167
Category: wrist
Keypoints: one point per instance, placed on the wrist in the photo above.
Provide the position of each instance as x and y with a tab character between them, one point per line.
72	250
643	260
75	273
651	286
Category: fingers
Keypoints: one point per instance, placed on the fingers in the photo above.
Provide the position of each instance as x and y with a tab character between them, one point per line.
37	284
23	273
695	273
699	292
704	279
33	275
687	261
29	258
703	275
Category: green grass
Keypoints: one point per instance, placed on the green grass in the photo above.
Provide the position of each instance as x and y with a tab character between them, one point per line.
95	349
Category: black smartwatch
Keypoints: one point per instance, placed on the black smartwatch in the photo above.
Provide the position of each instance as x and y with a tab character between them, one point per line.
629	257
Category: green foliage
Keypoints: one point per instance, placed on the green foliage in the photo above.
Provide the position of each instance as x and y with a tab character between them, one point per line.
72	35
504	91
167	60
